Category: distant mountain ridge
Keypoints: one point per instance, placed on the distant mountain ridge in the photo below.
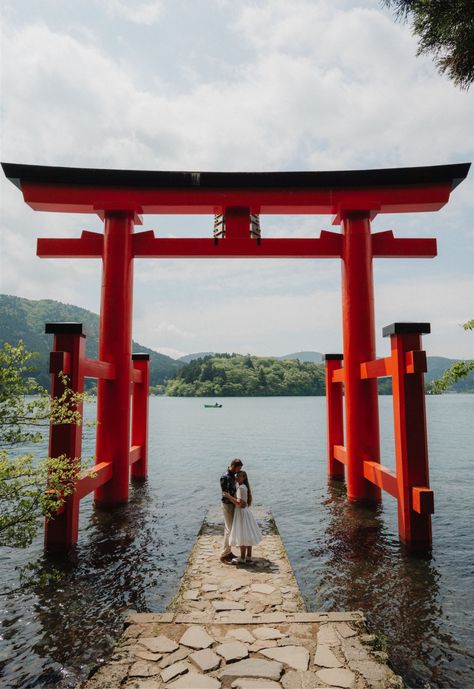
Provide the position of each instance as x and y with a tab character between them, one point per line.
25	318
312	357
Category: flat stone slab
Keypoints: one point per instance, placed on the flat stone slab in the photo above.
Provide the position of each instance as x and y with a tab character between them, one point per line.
371	670
142	668
337	677
268	633
254	683
242	627
196	637
180	654
225	604
158	644
192	594
205	659
327	635
262	588
147	655
233	650
195	681
324	657
345	631
174	670
296	657
253	667
149	617
262	643
241	634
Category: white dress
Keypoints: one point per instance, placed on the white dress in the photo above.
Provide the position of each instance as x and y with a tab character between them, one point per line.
245	529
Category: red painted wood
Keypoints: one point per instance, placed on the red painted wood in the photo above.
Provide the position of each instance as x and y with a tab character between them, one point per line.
115	341
66	198
337	375
385	245
334	420
92	479
423	500
377	368
66	439
411	446
140	396
382	477
145	245
91	368
89	245
340	453
59	361
416	362
135	453
136	375
360	396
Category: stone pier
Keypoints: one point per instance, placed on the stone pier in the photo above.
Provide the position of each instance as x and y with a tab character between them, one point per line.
243	627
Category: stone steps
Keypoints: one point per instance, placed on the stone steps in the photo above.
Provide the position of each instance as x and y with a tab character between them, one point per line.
243	627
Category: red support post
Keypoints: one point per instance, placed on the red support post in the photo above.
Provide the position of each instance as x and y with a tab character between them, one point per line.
415	500
335	416
65	439
115	343
361	400
141	362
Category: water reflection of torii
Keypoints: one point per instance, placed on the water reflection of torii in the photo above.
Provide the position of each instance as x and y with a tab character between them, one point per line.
120	197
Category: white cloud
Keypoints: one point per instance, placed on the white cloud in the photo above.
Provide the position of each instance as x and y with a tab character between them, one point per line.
140	12
325	85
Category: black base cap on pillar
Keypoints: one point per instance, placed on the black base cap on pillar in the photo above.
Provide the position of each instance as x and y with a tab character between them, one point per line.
64	329
136	356
406	329
335	357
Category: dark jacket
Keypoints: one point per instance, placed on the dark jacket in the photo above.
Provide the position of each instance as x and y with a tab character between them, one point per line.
228	485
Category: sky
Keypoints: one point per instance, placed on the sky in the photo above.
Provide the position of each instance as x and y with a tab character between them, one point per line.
239	85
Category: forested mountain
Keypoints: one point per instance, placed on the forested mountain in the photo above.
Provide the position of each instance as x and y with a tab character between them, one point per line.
197	355
314	357
24	319
232	375
220	374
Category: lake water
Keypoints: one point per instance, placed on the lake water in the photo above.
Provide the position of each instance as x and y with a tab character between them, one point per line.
344	558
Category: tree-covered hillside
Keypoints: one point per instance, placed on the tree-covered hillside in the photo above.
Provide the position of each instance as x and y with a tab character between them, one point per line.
233	375
24	319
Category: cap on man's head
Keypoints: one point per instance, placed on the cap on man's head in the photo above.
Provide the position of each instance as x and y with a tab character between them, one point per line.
236	462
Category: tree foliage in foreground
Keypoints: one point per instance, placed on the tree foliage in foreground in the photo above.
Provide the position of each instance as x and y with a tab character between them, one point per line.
458	370
446	30
30	489
234	375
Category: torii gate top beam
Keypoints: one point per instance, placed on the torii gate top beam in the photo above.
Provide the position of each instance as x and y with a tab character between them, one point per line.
82	190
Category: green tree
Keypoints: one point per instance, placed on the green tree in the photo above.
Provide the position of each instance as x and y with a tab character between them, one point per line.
446	30
30	489
458	370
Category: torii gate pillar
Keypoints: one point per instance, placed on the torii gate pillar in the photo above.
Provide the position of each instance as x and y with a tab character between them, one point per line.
115	345
354	196
358	320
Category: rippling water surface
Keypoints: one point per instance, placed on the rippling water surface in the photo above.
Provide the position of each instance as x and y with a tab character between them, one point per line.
344	557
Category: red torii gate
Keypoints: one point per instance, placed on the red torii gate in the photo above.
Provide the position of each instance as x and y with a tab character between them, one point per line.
120	197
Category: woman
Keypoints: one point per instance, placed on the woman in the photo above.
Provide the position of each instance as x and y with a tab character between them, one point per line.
245	532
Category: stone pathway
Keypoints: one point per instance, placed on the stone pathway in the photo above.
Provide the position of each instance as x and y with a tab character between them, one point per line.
243	627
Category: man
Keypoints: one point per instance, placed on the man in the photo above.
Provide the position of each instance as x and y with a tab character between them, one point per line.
228	486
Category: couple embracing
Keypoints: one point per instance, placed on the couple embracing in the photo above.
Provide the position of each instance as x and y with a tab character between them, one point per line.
240	526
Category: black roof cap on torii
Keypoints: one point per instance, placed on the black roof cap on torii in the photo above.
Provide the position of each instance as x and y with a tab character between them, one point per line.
342	179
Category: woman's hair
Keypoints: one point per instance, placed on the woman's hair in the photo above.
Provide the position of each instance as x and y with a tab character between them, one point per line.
247	484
